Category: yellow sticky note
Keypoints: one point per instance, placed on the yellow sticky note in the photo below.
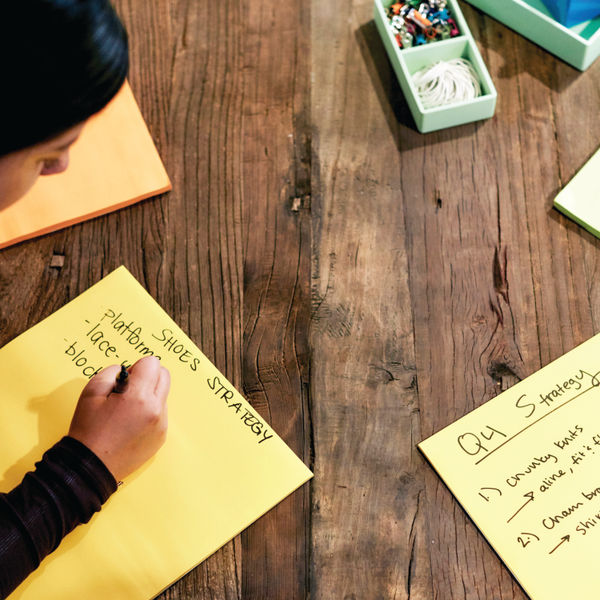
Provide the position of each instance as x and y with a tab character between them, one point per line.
526	468
579	199
221	468
113	164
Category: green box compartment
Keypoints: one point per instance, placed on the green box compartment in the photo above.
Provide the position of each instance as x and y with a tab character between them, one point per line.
578	45
408	61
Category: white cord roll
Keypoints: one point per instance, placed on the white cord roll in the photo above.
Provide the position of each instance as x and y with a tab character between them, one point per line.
446	82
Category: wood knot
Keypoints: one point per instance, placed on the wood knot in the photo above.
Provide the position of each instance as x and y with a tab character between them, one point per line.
57	261
499	268
299	203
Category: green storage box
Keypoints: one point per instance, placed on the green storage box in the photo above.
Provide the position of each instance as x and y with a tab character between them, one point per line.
408	61
578	45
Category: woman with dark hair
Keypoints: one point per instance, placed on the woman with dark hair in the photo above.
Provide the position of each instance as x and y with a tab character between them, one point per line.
64	60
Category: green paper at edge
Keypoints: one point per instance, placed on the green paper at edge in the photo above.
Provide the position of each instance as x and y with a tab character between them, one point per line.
580	198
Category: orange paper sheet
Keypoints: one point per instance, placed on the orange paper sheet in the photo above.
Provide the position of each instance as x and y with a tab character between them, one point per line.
113	164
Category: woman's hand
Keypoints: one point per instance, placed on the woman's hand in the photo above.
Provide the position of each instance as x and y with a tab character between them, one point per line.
124	430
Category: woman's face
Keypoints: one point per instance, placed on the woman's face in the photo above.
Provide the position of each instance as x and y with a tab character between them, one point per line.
20	169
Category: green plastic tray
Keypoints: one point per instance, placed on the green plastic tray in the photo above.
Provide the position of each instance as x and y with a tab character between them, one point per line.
578	45
408	61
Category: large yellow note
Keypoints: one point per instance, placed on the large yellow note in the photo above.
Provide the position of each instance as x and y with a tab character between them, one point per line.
221	468
526	468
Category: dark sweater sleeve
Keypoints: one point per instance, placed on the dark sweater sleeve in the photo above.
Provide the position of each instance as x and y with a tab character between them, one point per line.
68	486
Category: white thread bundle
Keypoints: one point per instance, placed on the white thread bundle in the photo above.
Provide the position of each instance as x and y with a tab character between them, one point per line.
446	82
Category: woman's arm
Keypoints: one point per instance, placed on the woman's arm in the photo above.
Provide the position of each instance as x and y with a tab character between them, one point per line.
111	435
68	486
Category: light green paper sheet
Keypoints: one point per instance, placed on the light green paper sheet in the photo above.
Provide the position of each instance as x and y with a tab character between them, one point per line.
580	198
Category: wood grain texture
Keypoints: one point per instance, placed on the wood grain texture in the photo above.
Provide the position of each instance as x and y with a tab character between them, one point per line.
276	222
430	270
499	284
368	527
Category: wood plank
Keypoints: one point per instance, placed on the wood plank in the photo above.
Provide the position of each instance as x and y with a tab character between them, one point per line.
277	246
192	243
368	527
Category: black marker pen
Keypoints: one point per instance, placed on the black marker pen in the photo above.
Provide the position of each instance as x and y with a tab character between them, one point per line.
121	383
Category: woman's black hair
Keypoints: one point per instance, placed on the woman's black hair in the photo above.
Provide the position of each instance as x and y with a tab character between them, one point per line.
61	61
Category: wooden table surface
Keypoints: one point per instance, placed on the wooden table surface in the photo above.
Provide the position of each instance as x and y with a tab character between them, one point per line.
364	285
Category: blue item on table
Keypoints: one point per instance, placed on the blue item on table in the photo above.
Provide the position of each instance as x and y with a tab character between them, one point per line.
572	12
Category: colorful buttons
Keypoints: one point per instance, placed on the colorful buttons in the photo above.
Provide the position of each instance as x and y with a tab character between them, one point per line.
417	22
